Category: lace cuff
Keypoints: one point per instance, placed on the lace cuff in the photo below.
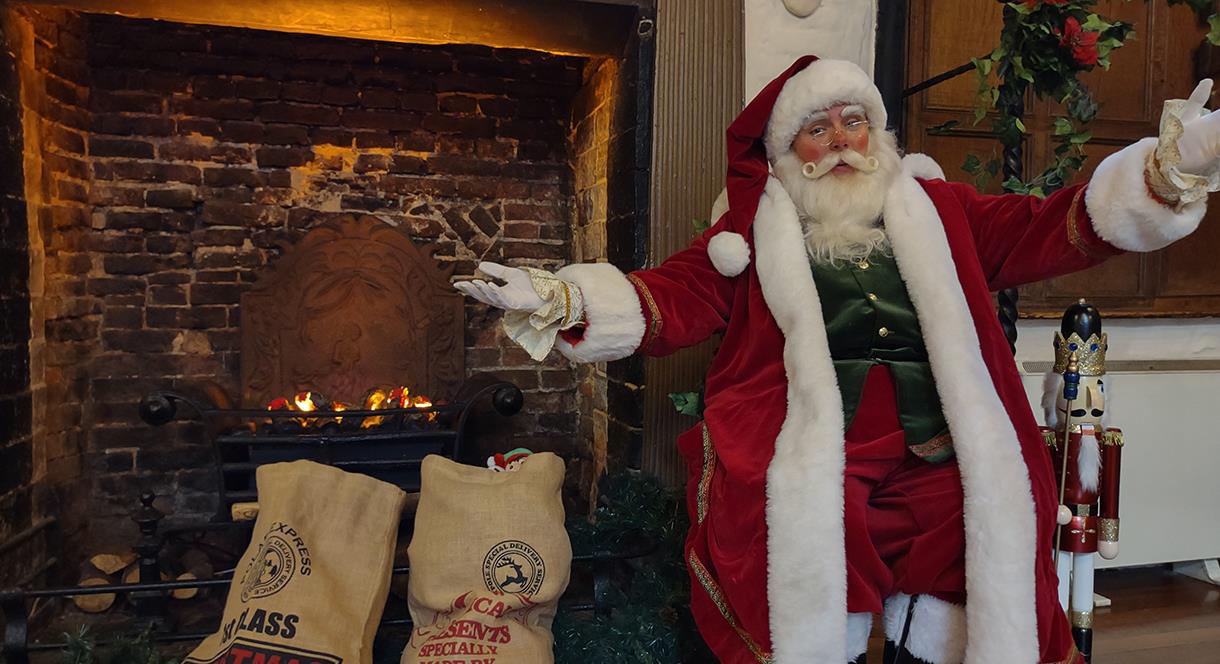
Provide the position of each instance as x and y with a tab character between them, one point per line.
1165	181
563	307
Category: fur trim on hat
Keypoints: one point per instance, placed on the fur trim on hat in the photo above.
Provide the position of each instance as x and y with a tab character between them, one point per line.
729	253
818	86
919	165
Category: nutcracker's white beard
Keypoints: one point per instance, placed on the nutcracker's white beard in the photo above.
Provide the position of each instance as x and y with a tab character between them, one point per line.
841	214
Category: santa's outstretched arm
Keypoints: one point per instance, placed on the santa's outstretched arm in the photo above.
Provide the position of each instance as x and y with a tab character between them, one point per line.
593	312
1141	198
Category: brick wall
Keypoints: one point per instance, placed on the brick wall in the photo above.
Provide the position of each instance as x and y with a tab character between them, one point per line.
16	457
186	158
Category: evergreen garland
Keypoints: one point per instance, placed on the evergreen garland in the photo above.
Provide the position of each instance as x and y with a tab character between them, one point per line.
650	621
81	648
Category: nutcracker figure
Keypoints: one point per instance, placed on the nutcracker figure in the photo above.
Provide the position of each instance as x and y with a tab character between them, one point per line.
1086	457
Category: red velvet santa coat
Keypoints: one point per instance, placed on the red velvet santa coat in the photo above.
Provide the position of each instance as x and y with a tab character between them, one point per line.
766	464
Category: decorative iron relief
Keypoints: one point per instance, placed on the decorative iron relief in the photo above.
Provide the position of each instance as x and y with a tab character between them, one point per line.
355	304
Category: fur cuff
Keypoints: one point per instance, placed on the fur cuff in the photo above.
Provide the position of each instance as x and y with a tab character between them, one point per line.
1122	211
614	319
938	628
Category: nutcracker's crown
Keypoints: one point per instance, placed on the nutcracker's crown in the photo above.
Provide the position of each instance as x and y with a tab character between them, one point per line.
1090	353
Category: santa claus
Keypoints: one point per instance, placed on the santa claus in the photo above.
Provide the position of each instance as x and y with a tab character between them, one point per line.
867	447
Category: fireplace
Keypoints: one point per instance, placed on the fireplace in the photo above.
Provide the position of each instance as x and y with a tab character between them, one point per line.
168	163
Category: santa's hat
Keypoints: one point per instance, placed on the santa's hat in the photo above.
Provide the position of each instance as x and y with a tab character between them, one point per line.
764	131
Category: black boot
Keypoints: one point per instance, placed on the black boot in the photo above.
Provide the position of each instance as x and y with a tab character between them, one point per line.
862	659
895	655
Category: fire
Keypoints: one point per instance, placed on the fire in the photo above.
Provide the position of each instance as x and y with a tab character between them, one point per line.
397	398
304	402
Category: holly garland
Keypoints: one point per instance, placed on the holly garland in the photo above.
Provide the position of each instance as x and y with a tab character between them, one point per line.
1045	45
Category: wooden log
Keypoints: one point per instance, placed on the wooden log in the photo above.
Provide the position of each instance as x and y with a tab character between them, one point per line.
94	603
185	593
113	563
91	577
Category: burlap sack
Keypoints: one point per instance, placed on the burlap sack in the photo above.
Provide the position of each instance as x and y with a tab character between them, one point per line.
489	560
312	584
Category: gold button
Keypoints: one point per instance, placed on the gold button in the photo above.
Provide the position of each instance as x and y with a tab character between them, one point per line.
863	265
885	332
872	296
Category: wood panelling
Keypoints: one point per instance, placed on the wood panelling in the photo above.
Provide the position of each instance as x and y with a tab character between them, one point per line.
1156	64
698	93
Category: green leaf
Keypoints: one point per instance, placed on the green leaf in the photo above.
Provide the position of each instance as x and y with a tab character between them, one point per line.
1019	125
972	164
1213	32
1094	23
1081	138
700	225
943	128
1063	126
687	403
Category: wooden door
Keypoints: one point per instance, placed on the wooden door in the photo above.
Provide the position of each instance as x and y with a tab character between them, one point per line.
1158	63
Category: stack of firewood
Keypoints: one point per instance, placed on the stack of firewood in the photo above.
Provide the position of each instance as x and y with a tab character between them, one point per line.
106	569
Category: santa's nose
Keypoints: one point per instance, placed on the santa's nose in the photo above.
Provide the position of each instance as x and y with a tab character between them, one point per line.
838	142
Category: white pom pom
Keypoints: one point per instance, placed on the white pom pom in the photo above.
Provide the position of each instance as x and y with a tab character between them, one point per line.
729	253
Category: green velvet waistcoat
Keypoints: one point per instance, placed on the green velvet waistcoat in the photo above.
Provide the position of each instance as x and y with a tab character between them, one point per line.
870	320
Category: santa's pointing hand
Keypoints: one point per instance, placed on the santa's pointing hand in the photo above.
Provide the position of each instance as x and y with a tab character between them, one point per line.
1185	166
537	304
517	293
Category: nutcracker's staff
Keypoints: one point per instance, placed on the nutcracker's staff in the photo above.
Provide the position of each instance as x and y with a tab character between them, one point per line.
1071	391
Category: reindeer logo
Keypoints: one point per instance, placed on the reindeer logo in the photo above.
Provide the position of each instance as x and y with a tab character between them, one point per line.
513	567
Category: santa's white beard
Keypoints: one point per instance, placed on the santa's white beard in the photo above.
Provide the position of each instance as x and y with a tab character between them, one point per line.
841	214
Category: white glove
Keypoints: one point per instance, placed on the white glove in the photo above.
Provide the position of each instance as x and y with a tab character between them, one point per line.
517	294
1200	141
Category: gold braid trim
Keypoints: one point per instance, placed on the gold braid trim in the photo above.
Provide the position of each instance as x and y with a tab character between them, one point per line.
1073	229
1051	439
713	591
654	313
1073	657
705	480
1107	530
1111	438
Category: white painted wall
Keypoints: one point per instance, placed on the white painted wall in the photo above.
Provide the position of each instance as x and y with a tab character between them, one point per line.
840	29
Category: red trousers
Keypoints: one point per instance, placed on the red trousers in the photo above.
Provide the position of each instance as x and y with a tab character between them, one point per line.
903	515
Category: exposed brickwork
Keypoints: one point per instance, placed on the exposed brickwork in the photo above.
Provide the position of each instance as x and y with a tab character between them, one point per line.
60	315
16	457
592	113
181	160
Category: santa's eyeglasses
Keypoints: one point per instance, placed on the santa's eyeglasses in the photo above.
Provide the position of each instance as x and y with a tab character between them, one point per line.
825	134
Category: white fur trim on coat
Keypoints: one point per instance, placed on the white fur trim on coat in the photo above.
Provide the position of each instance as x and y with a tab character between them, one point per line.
806	562
818	86
612	311
729	253
1123	212
1001	538
806	578
938	628
919	165
859	626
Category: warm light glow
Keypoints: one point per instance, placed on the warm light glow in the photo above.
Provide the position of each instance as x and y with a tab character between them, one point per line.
304	402
376	399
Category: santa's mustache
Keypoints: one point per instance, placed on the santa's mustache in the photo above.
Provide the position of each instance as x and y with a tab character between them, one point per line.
813	170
